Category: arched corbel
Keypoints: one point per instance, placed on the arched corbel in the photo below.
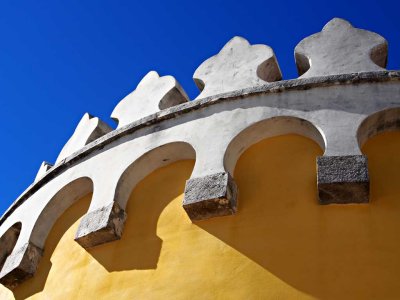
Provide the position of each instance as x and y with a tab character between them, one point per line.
22	262
16	264
104	222
342	170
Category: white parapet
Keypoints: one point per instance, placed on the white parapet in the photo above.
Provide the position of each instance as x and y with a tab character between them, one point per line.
343	98
238	65
152	94
339	49
88	130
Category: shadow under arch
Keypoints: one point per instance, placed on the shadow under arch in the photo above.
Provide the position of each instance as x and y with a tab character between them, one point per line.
51	213
268	128
149	162
145	188
276	225
387	120
8	241
57	205
327	252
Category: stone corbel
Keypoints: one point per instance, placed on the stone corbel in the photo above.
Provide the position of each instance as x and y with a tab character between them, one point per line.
342	172
20	265
210	196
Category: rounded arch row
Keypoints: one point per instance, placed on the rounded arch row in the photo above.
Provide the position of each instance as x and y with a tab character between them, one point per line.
267	128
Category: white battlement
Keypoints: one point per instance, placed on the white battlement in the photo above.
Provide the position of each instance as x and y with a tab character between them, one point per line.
343	97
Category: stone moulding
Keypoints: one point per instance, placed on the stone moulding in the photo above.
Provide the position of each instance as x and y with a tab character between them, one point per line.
210	196
336	109
343	179
20	265
283	86
101	226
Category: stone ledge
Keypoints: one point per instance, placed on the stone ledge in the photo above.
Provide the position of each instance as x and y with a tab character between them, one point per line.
20	265
101	226
343	179
210	196
273	87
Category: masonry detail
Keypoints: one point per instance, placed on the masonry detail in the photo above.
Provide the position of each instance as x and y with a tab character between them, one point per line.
343	96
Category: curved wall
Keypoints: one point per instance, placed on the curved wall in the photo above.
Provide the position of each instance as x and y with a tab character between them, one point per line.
281	243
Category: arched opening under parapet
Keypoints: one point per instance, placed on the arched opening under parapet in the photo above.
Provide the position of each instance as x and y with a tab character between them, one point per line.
8	241
140	246
281	243
375	131
56	217
58	204
135	266
305	249
268	128
387	120
149	162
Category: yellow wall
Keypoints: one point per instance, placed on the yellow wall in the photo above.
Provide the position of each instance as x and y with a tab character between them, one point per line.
281	244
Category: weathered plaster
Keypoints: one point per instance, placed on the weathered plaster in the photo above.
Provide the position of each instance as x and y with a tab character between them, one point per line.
238	65
44	167
340	48
338	112
152	94
88	130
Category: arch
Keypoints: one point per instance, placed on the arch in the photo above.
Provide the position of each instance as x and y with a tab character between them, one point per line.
23	260
267	128
8	241
150	161
56	206
379	122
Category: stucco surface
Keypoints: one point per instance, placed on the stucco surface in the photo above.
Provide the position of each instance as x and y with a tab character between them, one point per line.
281	243
344	98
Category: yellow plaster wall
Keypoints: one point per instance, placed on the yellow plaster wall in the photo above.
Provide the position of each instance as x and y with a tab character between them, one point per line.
280	245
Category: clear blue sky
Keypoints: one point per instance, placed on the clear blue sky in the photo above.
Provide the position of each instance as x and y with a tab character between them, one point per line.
60	59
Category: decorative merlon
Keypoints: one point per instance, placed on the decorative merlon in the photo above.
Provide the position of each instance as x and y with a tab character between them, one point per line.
340	48
343	179
88	130
101	226
339	112
152	94
20	265
238	65
210	196
44	167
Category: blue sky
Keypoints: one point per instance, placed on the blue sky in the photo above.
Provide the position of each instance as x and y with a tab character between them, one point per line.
60	59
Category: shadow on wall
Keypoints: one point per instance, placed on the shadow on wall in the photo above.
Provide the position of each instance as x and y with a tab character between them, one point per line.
36	284
140	247
329	252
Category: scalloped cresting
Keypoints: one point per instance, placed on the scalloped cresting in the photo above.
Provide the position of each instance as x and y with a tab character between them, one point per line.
340	48
237	66
152	94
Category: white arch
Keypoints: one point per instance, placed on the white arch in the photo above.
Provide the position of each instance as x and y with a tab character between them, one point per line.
267	128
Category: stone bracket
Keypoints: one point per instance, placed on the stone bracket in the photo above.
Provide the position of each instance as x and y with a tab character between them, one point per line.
20	265
101	226
343	179
210	196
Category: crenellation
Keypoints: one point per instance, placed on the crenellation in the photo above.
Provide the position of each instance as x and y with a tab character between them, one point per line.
88	129
152	94
44	167
343	97
238	65
340	48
